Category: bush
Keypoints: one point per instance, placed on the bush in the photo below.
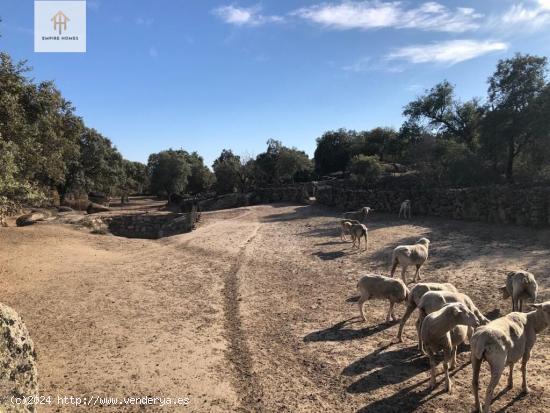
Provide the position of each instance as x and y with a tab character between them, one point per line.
365	169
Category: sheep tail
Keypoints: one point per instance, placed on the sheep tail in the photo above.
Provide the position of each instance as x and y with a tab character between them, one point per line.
478	348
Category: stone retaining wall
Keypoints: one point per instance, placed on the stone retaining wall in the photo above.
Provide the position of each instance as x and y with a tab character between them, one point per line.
151	226
498	204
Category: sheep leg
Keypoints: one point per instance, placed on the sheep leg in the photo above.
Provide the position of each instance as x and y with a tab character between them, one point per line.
433	372
448	384
418	327
393	317
390	311
417	273
408	312
496	372
476	366
404	273
362	301
511	377
366	241
394	266
453	357
524	361
520	302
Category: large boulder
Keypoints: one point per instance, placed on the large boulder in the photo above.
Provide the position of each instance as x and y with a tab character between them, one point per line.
94	208
18	374
99	198
29	219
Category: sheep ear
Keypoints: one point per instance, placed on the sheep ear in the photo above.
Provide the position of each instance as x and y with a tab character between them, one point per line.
456	310
535	306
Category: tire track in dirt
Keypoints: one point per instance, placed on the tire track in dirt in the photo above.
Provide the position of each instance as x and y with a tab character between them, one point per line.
238	352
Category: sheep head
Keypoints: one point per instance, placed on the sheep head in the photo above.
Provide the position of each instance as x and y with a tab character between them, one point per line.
464	316
544	310
424	241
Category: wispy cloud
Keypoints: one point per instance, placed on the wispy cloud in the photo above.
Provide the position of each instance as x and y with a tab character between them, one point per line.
375	14
241	16
447	52
531	16
362	65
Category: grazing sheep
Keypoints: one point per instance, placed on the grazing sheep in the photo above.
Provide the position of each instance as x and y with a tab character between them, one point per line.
345	225
357	231
417	292
503	342
405	208
444	330
377	286
406	255
435	300
520	285
358	215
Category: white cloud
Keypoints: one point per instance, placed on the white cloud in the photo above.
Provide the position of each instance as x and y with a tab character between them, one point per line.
376	14
447	52
240	16
352	15
530	18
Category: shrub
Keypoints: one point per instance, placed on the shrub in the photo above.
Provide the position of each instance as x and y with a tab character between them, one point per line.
365	169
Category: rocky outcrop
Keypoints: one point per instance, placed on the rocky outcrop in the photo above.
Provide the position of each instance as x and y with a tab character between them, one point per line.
18	375
95	208
497	204
30	219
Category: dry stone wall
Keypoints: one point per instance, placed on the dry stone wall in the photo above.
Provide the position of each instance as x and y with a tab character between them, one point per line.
497	204
151	226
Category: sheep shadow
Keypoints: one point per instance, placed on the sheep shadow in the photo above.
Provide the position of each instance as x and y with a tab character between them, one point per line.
338	333
328	256
397	367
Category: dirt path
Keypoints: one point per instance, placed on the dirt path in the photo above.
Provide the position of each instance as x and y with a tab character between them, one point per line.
253	312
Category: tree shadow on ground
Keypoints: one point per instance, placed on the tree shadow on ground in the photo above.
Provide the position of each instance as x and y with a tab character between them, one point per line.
338	333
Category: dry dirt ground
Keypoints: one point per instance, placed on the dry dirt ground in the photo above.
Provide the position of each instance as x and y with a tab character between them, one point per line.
254	311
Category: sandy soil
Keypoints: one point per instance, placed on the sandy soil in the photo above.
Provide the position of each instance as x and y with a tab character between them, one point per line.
254	311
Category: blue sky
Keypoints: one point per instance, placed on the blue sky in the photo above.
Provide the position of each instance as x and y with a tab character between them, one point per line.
206	75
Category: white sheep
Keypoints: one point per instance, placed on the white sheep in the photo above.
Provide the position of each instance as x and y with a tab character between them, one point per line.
503	342
435	300
406	255
520	285
416	294
405	208
358	231
358	215
381	287
345	226
444	330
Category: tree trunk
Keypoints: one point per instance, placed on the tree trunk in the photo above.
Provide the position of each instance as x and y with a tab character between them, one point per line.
510	163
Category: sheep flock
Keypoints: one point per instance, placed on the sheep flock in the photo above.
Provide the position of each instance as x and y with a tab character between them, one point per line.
448	317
